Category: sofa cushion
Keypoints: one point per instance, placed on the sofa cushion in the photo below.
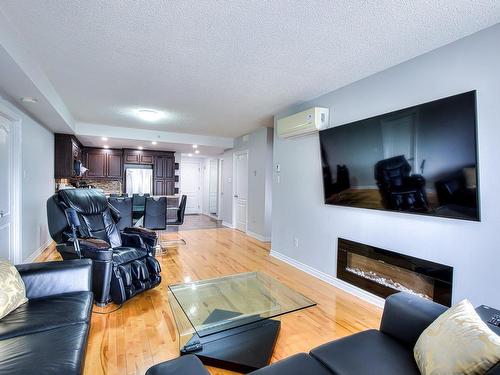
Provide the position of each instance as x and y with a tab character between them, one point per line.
298	364
458	342
12	290
186	365
46	313
58	351
369	352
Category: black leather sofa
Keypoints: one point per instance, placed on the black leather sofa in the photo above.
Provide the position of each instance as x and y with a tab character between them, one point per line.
387	351
123	261
48	334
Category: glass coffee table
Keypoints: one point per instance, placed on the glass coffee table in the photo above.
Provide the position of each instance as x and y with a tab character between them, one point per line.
232	322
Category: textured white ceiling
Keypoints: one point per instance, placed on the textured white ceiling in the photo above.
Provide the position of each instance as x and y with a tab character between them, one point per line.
225	67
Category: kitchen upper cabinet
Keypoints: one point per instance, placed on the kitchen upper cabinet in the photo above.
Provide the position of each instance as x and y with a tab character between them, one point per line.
103	163
114	164
164	166
67	149
164	174
138	156
95	163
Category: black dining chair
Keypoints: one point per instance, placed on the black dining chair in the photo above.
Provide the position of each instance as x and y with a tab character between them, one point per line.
155	213
124	207
138	199
177	222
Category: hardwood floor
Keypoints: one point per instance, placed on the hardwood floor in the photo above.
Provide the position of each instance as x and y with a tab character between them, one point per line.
143	333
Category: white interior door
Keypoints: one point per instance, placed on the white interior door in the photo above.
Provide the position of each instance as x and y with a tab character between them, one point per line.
190	185
241	191
6	177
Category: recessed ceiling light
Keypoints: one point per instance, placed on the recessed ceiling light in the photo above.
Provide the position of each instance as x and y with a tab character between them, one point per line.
149	114
197	152
140	147
29	99
190	155
195	146
106	146
154	143
104	138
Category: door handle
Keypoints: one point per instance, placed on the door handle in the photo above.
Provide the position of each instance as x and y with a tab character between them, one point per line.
1	214
236	196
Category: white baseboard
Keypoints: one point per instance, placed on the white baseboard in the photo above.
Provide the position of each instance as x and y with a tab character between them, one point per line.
358	292
37	252
226	224
258	236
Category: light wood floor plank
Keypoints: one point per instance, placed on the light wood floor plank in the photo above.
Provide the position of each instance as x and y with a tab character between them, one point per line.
142	332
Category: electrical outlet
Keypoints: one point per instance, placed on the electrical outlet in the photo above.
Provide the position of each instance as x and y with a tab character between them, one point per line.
296	242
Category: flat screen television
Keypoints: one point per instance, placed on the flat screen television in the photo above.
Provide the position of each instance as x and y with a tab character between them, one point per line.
421	159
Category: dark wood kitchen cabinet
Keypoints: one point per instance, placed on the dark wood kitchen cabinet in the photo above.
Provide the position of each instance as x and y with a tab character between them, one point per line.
138	156
103	163
67	149
164	174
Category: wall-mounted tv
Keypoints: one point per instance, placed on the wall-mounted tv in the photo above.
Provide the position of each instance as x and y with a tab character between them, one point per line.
421	159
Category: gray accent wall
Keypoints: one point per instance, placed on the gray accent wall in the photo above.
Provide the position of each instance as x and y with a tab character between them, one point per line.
301	218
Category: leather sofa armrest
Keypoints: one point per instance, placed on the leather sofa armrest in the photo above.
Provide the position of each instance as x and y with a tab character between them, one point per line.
406	316
51	278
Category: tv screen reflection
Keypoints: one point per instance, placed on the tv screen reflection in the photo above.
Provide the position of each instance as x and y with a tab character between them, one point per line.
420	159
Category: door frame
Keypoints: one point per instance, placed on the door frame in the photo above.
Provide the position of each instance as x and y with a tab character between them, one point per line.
220	183
200	181
235	157
16	196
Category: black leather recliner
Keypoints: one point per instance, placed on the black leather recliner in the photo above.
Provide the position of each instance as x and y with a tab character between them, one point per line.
400	190
123	263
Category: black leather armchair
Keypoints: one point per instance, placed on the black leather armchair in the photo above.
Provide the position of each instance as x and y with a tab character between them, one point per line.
400	190
123	262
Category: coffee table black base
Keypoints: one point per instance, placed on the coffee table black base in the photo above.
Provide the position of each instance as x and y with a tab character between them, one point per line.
242	349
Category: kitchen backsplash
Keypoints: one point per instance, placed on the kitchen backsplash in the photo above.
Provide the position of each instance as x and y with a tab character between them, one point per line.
108	186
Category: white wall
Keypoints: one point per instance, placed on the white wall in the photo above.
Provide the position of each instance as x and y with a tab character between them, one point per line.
37	182
259	145
472	248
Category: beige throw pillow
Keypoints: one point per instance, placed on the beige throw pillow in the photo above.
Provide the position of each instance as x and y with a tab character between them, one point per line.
12	290
457	342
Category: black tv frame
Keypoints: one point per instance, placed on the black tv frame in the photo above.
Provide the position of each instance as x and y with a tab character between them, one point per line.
478	185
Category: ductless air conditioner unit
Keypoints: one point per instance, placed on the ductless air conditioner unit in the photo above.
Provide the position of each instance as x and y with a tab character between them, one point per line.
302	123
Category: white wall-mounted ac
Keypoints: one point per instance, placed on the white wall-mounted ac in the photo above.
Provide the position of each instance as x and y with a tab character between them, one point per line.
302	123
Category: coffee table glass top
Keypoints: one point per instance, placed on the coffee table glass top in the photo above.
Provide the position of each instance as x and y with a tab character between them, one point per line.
215	305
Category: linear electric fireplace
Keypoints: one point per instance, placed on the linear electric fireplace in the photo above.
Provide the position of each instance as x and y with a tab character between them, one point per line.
384	272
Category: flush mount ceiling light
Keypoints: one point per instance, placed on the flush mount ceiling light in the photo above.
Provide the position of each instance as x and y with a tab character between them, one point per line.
140	147
106	146
190	155
149	114
195	146
154	143
104	138
29	99
197	152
